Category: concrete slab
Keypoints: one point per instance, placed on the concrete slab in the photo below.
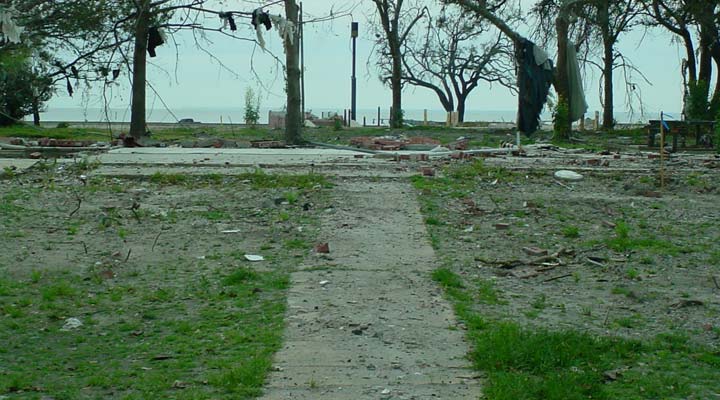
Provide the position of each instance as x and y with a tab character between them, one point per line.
20	164
235	157
368	322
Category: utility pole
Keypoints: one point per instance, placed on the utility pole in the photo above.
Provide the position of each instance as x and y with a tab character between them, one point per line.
302	65
354	26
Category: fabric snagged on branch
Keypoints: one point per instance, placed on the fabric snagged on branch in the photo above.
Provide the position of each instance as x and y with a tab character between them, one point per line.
9	28
285	28
155	39
228	20
258	20
69	87
534	77
578	105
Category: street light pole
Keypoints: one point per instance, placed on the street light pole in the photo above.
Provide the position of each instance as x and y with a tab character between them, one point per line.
354	26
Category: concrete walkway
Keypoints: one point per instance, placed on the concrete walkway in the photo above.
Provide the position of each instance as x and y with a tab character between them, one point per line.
368	322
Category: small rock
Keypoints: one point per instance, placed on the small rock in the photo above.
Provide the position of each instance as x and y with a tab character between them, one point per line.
35	155
502	226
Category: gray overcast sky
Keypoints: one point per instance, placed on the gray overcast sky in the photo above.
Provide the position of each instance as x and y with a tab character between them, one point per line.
194	80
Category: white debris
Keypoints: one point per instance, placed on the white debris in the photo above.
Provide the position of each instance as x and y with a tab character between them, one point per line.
324	283
568	175
71	323
254	258
232	231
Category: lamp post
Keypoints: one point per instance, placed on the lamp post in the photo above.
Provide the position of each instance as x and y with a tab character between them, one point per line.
354	26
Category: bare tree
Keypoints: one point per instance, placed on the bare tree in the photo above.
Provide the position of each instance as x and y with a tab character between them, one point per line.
695	24
295	118
397	19
452	55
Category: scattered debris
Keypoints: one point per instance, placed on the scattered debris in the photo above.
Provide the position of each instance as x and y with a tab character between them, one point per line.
70	324
322	248
324	283
535	251
502	226
688	303
253	258
568	175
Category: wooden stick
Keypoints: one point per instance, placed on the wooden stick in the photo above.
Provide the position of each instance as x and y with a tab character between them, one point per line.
156	239
557	277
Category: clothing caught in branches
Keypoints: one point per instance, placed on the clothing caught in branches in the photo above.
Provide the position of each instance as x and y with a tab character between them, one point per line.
155	39
228	20
534	77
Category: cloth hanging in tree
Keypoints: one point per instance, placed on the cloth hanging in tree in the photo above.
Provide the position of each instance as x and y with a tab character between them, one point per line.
260	17
534	77
75	72
258	20
285	28
155	39
115	73
10	29
578	106
228	20
69	87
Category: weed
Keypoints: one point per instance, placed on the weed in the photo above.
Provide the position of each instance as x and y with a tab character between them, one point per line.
291	197
296	244
571	232
487	293
632	273
241	275
540	302
161	178
447	278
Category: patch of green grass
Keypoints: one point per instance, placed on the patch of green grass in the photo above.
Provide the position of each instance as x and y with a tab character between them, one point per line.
261	180
161	178
447	278
296	244
215	215
571	232
487	293
623	241
56	290
241	275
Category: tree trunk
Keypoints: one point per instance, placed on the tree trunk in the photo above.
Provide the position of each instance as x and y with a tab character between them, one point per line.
608	96
137	119
461	108
293	125
36	112
396	119
563	125
608	65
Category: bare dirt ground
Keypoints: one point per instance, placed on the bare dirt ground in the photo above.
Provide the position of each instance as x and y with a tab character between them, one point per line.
139	288
614	255
610	254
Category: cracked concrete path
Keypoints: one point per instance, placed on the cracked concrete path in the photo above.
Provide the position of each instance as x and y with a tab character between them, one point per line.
368	322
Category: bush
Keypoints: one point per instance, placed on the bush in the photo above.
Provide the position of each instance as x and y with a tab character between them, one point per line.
561	120
252	107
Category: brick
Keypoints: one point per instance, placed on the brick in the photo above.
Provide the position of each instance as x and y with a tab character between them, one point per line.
428	171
